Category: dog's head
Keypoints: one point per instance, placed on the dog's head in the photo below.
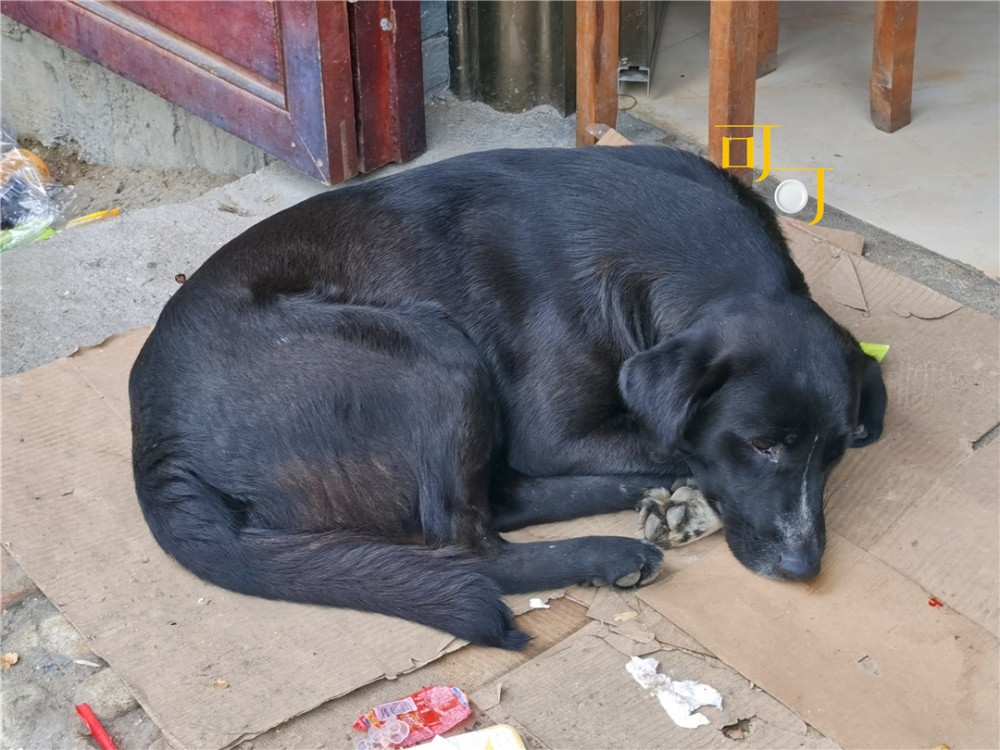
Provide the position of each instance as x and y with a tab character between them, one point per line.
761	404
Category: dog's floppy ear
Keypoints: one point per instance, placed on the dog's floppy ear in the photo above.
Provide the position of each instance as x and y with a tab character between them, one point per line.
871	404
665	384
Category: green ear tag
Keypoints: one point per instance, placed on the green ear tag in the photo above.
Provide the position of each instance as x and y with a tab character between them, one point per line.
878	351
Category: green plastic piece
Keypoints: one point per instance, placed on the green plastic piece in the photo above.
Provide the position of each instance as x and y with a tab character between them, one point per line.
878	351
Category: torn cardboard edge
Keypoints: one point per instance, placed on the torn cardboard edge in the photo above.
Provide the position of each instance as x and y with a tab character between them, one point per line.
845	285
607	136
847	288
586	669
837	241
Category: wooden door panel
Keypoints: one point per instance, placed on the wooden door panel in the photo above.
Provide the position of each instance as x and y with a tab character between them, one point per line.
245	33
280	74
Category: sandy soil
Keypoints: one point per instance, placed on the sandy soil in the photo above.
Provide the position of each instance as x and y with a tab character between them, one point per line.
99	187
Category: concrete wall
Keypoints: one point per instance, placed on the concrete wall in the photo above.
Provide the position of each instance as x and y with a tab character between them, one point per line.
60	97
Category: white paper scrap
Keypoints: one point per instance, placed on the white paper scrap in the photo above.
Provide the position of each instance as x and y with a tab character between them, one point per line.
680	698
538	604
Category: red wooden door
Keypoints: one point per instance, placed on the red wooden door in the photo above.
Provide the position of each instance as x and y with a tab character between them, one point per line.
323	85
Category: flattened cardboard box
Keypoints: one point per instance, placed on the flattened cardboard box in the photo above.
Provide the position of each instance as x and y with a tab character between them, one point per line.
911	517
579	695
858	653
70	517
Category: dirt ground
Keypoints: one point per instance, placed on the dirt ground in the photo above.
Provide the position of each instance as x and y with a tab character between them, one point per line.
100	187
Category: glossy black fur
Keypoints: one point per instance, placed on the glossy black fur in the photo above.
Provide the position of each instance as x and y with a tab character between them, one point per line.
348	402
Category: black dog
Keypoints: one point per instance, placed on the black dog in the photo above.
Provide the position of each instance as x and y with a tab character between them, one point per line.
348	402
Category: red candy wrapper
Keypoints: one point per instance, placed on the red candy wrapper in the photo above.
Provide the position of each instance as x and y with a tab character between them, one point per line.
428	712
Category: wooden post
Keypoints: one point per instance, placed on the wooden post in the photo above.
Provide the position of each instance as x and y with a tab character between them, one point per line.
732	82
596	66
767	37
891	84
388	81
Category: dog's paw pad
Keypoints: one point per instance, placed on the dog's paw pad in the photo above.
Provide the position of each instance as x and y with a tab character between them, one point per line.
627	582
688	482
674	518
631	563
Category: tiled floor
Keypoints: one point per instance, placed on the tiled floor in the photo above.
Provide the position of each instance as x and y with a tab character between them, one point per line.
935	182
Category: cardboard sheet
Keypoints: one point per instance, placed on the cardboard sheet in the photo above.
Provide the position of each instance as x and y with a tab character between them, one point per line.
835	240
471	668
578	695
70	518
858	653
944	542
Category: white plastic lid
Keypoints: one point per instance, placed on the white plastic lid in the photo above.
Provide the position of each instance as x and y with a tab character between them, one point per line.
791	196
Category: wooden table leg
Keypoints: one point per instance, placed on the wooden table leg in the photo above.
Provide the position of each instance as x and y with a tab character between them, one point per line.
891	85
732	81
767	37
596	66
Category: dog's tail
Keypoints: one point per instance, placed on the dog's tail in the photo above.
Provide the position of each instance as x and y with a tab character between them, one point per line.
438	587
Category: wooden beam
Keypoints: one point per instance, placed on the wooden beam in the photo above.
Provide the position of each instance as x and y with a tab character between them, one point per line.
732	82
596	66
891	86
767	37
388	81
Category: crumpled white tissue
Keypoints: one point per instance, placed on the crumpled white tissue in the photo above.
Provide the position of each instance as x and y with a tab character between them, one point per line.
680	698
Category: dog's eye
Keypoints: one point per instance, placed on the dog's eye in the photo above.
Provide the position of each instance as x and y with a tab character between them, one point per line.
767	447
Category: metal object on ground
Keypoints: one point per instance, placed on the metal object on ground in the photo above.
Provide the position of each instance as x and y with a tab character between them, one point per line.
515	54
639	33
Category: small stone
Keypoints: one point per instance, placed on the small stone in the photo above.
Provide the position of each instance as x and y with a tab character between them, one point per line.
106	693
22	638
220	684
15	584
23	707
57	635
135	729
8	660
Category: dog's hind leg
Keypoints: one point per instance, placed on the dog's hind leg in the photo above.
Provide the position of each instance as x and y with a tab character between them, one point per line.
675	517
440	587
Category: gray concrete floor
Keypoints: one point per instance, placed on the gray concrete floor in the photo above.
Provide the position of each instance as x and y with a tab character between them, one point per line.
935	182
83	285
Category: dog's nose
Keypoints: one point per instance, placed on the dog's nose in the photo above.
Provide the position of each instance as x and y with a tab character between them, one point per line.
798	567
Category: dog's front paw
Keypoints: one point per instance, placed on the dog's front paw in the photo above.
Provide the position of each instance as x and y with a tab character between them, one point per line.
674	518
631	563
